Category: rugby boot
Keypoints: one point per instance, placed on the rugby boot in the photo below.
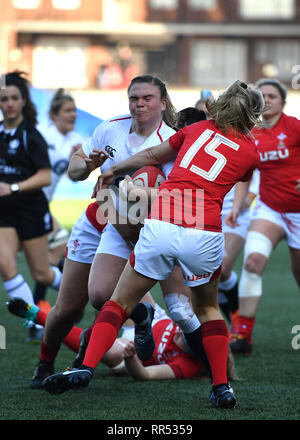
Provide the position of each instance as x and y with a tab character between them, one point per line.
222	397
74	378
240	345
42	370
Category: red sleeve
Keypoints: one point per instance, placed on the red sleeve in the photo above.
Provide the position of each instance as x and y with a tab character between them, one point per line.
176	140
185	366
247	176
249	173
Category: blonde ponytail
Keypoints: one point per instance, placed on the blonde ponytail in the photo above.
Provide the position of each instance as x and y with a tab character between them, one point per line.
238	108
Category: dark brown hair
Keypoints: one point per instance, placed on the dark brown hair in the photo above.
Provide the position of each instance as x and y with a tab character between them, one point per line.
170	114
18	80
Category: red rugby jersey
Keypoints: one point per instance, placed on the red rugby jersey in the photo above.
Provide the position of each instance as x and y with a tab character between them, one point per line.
167	352
207	166
279	150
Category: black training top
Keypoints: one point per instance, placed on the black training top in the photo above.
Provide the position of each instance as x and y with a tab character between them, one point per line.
23	151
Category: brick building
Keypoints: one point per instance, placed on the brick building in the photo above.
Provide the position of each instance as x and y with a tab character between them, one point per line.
103	43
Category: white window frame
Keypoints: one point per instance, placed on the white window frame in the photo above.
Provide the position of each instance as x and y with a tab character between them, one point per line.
215	63
202	5
164	4
267	9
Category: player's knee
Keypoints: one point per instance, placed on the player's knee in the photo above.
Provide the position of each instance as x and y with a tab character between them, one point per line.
254	263
67	312
181	312
99	294
42	276
39	276
257	250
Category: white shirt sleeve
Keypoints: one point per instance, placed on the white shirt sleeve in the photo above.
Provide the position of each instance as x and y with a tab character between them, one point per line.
95	142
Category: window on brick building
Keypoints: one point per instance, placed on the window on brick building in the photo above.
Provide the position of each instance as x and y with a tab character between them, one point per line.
277	56
60	62
267	9
216	63
202	4
26	4
66	4
163	4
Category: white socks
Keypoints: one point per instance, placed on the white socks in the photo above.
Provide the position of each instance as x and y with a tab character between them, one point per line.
18	287
57	278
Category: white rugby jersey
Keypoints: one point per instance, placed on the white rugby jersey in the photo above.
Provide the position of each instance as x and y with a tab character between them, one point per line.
59	151
112	136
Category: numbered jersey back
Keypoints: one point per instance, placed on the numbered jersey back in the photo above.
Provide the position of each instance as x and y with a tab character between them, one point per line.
208	162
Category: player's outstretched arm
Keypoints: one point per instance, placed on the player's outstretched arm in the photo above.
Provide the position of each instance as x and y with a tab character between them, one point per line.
137	370
241	192
81	166
151	156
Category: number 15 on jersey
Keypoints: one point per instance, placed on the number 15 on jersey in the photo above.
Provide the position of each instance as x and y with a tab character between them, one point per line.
210	149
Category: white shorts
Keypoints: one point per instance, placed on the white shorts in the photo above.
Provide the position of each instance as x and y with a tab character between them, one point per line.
243	224
162	245
83	242
113	244
289	221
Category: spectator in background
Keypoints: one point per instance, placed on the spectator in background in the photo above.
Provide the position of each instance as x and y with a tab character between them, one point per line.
25	220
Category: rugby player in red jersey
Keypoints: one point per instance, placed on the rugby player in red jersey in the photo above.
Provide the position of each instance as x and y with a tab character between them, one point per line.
211	157
276	214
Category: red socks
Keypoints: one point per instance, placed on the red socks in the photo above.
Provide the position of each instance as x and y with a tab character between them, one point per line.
245	327
72	340
41	317
215	342
105	332
48	354
102	335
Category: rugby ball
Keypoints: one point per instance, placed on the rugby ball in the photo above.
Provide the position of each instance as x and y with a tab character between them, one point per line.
149	176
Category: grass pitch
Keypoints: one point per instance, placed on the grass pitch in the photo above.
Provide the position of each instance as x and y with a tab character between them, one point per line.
268	391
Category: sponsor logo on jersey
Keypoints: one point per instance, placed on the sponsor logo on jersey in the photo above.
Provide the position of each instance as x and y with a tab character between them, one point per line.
76	245
161	355
60	167
274	155
110	150
281	138
196	277
13	146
